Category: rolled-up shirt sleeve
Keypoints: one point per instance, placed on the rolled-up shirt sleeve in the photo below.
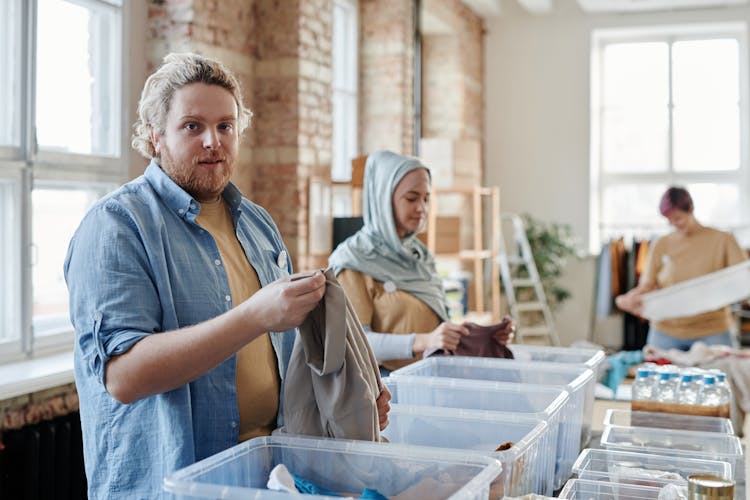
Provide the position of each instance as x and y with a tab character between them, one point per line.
113	300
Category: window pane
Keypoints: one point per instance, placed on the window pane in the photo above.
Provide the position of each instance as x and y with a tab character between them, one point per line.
632	207
706	138
635	140
715	204
706	72
56	214
10	278
636	74
340	14
10	76
342	170
77	113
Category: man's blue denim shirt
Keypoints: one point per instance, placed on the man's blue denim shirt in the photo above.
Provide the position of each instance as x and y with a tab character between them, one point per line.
139	265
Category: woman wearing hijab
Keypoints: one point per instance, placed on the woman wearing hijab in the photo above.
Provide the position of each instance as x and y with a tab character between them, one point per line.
389	275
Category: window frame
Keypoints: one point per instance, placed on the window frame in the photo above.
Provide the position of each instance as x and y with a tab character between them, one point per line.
349	91
601	180
27	167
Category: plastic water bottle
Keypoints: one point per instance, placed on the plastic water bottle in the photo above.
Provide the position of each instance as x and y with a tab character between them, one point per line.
686	393
642	385
721	382
664	392
710	394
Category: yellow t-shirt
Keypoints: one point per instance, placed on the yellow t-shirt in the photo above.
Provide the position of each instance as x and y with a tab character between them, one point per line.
387	312
258	380
678	257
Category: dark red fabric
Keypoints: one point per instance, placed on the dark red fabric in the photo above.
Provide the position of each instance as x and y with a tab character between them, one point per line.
482	341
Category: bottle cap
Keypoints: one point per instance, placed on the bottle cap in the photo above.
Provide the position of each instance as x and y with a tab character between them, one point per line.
708	486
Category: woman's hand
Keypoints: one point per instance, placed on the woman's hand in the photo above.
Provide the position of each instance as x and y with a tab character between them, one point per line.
630	302
383	407
446	336
506	331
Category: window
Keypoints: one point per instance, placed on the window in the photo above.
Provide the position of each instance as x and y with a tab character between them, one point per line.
668	108
61	148
345	47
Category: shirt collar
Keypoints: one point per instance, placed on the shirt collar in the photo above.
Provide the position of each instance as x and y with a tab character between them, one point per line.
178	199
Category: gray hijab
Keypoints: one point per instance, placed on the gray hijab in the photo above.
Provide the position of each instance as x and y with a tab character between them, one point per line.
376	249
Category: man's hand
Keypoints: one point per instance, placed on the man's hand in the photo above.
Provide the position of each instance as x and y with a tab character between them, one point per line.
284	304
446	336
383	407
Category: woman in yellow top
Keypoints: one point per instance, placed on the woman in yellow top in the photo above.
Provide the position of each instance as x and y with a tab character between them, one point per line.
388	274
690	251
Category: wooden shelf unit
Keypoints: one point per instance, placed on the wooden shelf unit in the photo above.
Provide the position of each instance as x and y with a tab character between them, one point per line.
484	251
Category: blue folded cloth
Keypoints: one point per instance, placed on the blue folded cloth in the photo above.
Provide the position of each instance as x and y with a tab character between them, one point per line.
308	487
618	367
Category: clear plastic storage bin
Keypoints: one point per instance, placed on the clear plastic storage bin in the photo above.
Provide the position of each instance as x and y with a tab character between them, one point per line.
591	358
543	402
659	420
678	443
579	381
583	489
241	472
641	468
528	465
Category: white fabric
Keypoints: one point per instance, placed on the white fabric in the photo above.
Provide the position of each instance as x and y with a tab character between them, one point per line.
702	294
673	492
281	480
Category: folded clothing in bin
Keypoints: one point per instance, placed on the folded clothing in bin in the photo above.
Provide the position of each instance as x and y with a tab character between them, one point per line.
333	380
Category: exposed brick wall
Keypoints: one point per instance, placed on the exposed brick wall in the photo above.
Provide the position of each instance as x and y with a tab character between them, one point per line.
281	52
452	86
386	75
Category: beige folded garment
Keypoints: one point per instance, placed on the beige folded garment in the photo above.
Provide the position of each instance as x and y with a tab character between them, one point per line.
333	380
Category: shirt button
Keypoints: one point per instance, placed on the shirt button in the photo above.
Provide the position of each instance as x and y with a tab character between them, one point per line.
234	424
192	206
217	262
180	211
227	298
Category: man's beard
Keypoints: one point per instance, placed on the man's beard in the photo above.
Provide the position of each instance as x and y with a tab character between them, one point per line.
202	183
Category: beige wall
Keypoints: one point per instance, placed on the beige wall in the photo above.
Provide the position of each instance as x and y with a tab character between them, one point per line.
537	121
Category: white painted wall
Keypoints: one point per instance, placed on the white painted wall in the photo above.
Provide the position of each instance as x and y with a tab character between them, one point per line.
537	121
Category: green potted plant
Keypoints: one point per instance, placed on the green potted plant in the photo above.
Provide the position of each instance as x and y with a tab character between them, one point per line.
551	244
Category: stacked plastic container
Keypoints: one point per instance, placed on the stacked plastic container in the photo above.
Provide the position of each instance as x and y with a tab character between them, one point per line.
656	450
582	489
644	469
577	380
346	467
657	420
678	443
590	358
543	403
459	428
527	461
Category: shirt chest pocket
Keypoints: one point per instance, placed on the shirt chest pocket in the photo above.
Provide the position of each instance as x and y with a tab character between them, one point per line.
274	265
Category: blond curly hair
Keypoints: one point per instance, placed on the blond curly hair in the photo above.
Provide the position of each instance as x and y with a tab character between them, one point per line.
176	71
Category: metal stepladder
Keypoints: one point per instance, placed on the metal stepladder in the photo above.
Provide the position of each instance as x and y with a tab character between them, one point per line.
521	261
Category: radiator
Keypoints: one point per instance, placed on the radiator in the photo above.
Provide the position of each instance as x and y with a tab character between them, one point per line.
43	461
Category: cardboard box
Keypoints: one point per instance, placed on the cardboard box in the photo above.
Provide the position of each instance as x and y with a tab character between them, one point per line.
447	234
452	162
704	411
